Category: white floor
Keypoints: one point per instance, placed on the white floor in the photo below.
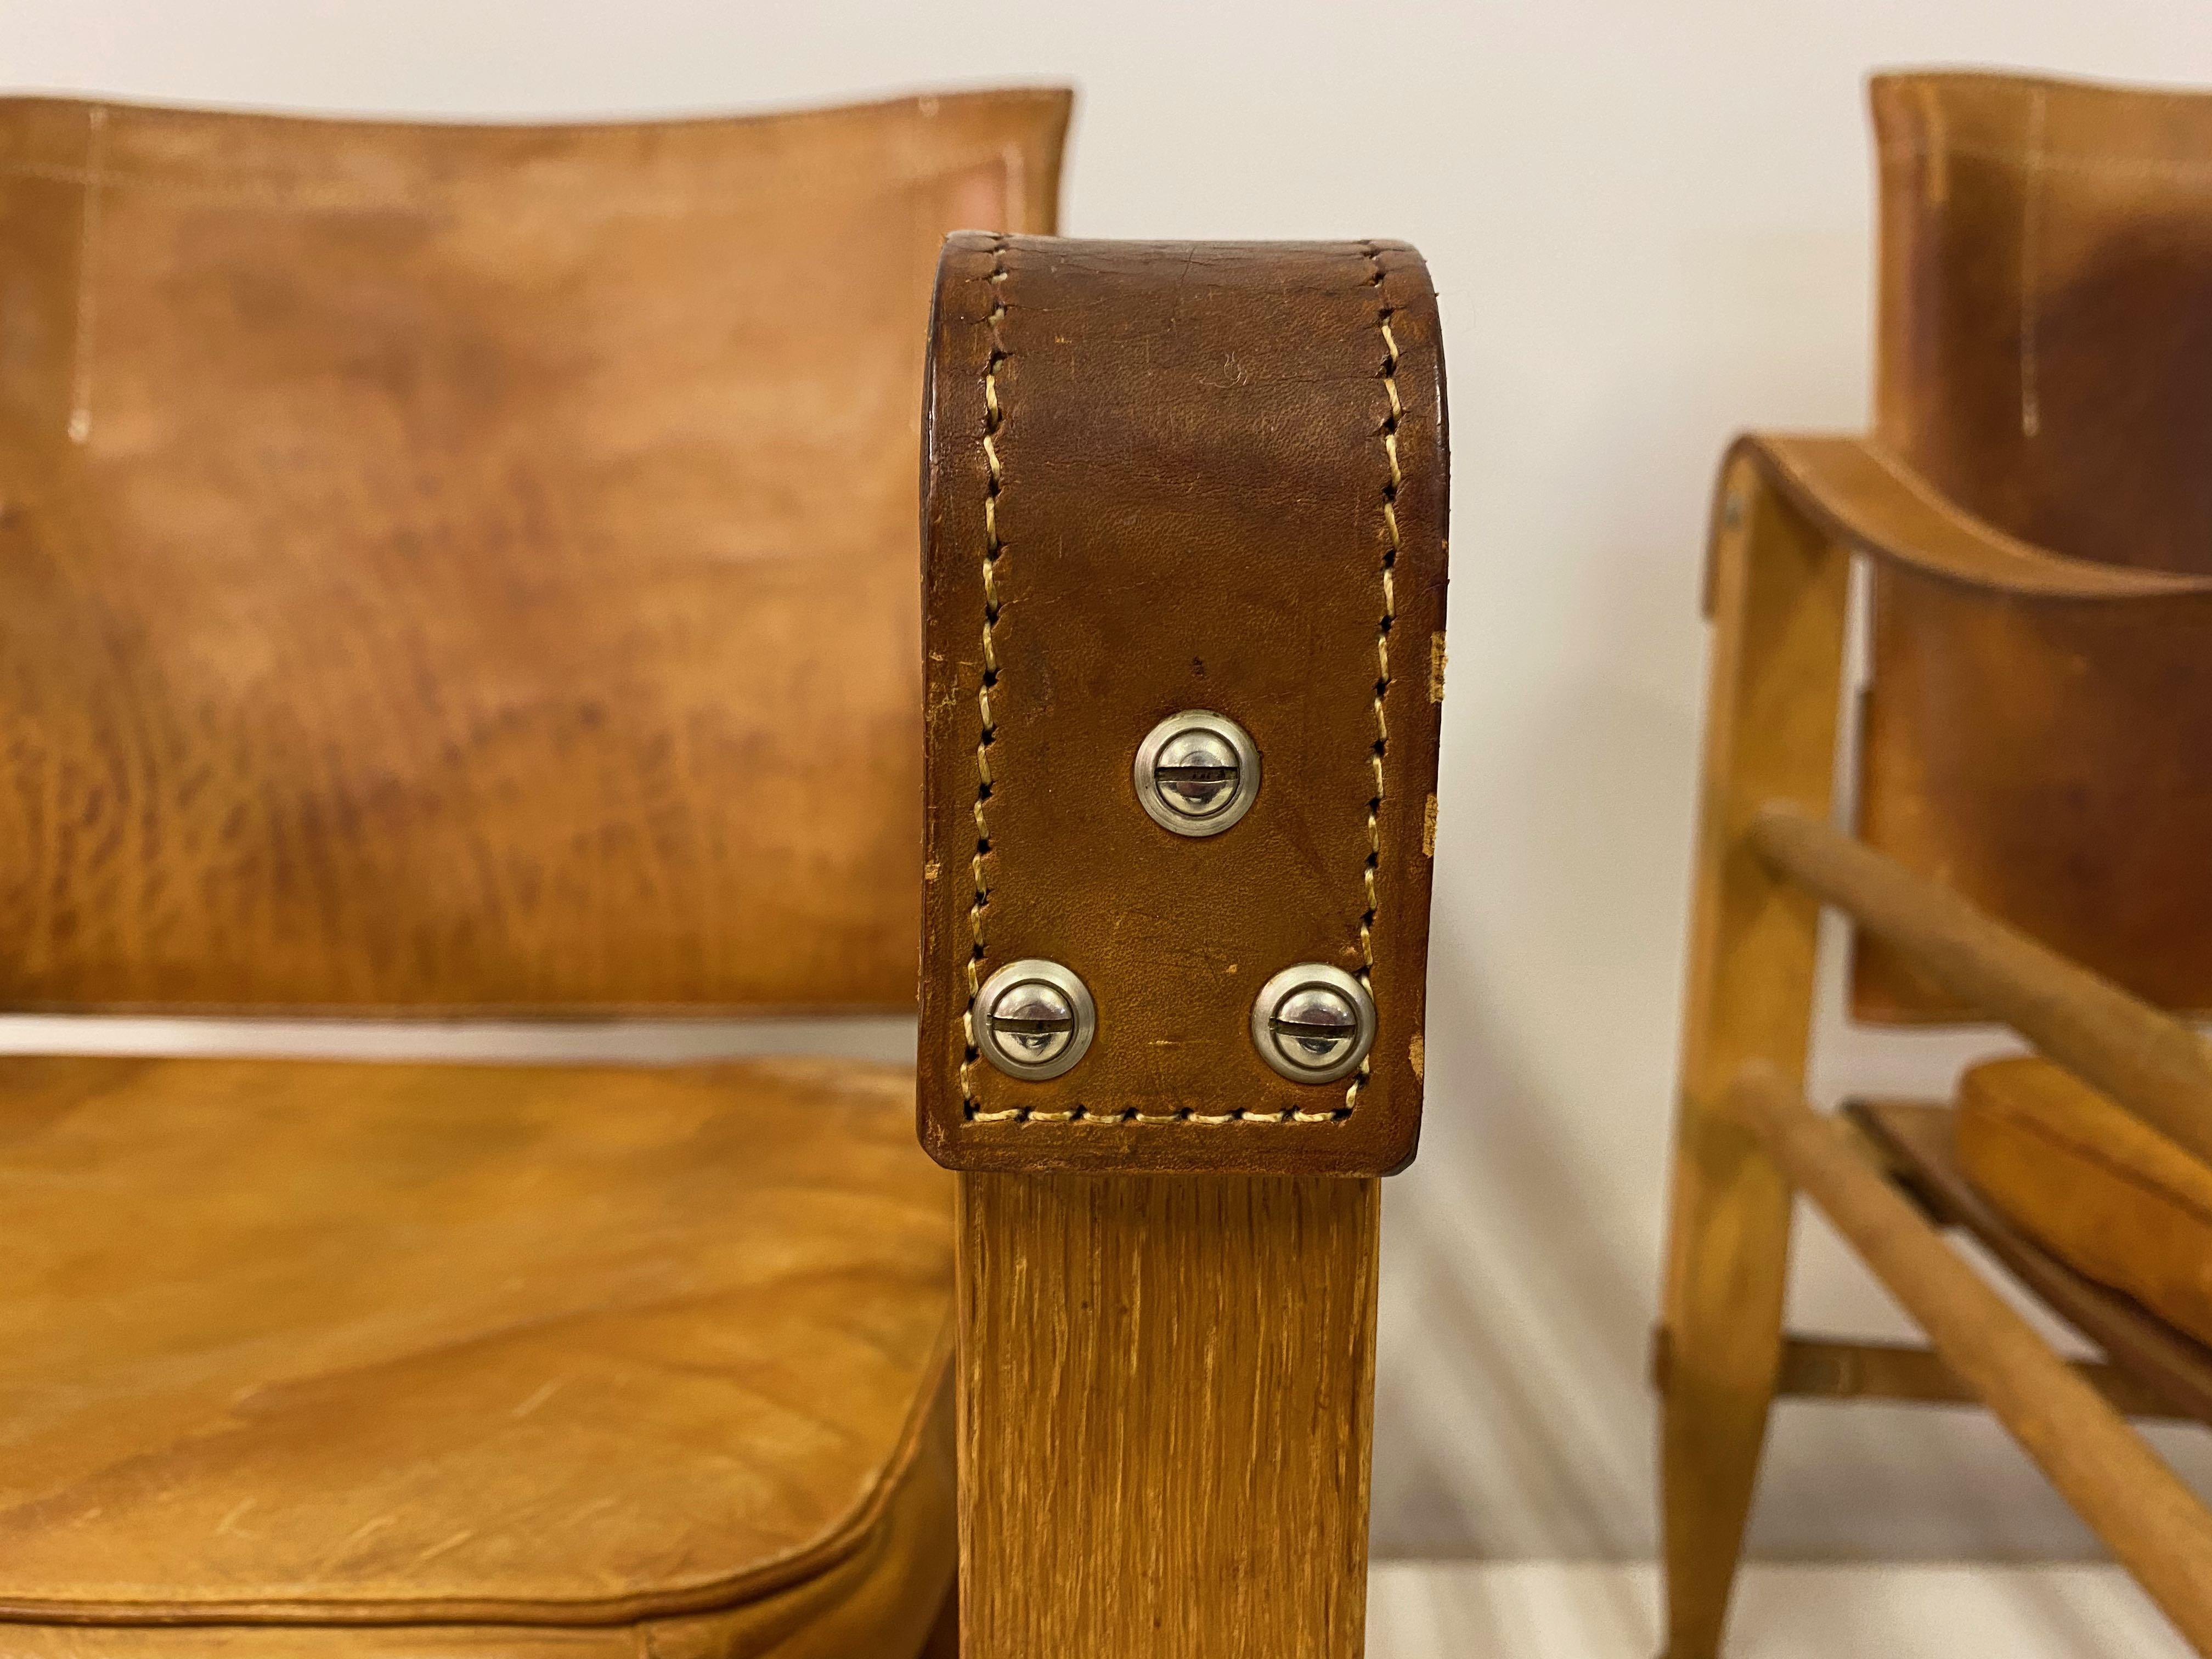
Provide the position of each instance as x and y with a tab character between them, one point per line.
1549	1610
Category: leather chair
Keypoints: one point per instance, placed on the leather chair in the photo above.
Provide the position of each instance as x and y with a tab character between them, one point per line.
460	570
2034	803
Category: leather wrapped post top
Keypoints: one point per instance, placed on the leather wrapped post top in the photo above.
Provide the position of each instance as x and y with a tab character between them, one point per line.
1162	478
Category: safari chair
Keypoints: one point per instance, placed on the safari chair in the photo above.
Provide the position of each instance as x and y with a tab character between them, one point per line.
2033	800
468	571
471	571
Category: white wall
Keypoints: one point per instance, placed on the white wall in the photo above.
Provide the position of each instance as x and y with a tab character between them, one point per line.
1648	223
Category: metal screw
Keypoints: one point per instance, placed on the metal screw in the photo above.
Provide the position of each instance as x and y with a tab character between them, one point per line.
1313	1023
1196	772
1034	1019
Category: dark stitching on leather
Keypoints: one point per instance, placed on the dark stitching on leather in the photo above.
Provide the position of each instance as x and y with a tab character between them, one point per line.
994	419
993	422
1387	433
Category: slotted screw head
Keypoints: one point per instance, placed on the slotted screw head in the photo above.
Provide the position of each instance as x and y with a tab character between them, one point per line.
1034	1019
1313	1023
1196	772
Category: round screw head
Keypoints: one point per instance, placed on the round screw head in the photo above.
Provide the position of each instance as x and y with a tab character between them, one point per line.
1196	772
1034	1019
1313	1023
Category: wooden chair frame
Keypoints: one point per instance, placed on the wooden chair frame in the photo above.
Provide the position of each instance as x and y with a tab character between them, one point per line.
1790	516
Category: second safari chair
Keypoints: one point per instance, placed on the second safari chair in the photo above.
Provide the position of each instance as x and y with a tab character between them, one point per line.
2034	803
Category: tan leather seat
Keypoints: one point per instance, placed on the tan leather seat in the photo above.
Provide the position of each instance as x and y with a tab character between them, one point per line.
387	1359
2097	1187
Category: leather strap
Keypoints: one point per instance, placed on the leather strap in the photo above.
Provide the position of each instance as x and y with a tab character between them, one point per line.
1161	477
1863	495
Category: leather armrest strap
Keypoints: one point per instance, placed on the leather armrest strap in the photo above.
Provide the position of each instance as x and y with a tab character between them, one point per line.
1162	478
1865	496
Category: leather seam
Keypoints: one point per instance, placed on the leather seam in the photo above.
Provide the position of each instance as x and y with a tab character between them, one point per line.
1393	480
994	420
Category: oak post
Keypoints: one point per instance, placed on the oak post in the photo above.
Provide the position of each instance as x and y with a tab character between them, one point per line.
1164	1426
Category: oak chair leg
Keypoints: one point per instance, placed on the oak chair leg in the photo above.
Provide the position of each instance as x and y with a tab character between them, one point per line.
1779	598
1713	1419
1166	1385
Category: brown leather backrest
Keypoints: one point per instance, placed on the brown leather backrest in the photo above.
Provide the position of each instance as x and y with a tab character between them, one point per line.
2044	361
470	567
2045	344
